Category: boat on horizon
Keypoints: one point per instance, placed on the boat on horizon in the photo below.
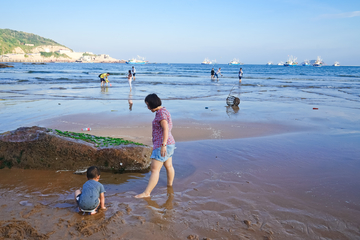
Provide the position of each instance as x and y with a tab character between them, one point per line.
269	63
318	62
206	61
291	61
306	63
280	64
336	64
141	60
235	62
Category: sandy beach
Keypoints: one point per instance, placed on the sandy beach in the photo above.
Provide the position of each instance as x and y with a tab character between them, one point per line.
270	169
233	181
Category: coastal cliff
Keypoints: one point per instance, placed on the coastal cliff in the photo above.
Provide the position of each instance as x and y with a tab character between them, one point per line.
17	46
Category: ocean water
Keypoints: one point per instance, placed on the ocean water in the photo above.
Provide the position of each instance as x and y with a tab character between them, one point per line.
338	86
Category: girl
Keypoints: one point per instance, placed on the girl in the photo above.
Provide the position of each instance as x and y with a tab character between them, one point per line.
164	144
130	78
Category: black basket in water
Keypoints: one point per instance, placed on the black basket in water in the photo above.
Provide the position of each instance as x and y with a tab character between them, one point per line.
232	101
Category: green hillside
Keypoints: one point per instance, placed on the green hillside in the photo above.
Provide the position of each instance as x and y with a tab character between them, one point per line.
10	39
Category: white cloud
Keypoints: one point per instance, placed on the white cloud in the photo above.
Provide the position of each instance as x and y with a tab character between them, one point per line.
341	15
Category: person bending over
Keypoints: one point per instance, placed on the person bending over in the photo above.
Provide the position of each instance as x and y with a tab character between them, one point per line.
104	78
218	72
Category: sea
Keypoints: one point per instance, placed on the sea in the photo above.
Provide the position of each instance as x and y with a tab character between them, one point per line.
51	84
69	81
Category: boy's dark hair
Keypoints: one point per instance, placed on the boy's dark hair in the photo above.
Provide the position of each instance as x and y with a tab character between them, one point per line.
108	73
92	172
153	101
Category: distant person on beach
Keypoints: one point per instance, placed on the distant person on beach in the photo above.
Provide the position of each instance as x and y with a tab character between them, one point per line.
164	144
133	71
130	79
217	74
212	73
92	194
104	78
240	74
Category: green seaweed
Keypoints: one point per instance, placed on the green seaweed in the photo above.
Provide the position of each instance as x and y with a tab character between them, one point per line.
5	163
18	159
98	141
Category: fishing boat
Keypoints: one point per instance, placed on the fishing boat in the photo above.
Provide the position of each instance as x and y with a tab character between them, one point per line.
206	61
291	61
280	64
269	63
336	64
318	62
140	60
235	62
306	63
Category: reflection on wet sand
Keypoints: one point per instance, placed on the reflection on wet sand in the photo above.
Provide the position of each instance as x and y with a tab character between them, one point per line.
232	110
168	205
130	101
104	89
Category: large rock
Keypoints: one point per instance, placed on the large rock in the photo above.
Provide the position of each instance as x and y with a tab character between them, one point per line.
42	148
5	66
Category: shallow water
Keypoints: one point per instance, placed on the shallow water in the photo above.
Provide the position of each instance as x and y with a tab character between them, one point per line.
282	187
298	183
63	81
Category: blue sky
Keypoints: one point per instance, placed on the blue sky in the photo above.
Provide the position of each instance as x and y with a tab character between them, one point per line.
187	31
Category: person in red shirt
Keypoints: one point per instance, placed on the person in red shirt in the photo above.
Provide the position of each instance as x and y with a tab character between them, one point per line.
164	144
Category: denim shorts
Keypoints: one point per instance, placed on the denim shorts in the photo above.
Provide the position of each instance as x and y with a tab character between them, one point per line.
156	153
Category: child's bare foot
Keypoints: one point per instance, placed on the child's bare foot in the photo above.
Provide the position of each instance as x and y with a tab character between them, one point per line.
93	212
142	195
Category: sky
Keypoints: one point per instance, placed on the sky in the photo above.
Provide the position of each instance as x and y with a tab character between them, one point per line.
188	31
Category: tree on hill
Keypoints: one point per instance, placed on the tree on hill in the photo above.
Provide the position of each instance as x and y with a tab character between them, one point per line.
11	39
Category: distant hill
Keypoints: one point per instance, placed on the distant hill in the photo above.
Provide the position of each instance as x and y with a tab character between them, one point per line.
11	41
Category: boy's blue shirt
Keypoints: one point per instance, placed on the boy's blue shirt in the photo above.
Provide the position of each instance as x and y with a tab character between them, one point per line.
90	194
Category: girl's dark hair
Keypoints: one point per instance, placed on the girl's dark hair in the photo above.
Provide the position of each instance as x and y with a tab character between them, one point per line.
129	71
153	101
92	172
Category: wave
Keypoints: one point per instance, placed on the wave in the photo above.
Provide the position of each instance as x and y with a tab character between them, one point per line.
351	76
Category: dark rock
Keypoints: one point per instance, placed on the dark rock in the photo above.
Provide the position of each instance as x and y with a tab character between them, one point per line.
5	66
41	148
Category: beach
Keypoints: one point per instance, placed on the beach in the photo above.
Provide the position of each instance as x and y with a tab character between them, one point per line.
284	165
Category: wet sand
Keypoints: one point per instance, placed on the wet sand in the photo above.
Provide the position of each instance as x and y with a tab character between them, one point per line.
235	179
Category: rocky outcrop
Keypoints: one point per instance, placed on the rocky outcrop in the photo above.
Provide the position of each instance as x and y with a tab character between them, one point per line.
5	66
42	148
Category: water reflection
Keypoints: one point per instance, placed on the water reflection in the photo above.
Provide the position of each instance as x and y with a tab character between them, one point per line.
168	205
130	101
104	89
232	110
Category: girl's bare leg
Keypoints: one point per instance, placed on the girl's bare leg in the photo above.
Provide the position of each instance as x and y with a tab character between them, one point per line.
154	178
170	171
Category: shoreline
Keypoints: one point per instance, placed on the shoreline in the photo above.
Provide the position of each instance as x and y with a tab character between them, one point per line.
184	130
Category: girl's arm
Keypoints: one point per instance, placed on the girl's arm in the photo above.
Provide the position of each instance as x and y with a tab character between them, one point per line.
165	126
